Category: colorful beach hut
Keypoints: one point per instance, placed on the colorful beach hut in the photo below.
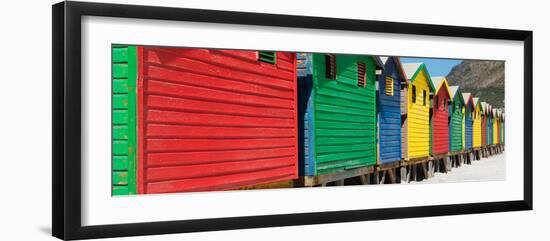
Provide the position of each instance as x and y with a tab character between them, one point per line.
389	110
476	128
439	114
338	110
468	120
455	119
495	126
190	119
418	110
489	125
483	112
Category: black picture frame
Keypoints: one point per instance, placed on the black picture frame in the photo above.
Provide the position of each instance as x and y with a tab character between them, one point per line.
66	127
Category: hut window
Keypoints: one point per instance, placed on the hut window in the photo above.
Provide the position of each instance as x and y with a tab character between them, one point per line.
424	97
413	96
330	66
267	57
361	74
389	86
436	104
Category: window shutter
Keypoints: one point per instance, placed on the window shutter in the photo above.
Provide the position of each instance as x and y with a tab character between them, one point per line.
361	74
424	97
330	66
267	57
389	86
413	96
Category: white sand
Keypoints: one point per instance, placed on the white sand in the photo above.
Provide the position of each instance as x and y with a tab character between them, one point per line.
486	169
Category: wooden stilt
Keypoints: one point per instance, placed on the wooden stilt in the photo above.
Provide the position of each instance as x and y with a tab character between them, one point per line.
391	175
404	174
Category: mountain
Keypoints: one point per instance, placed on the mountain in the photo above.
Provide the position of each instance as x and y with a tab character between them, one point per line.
484	79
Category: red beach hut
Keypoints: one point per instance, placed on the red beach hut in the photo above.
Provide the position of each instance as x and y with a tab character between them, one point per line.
215	119
440	113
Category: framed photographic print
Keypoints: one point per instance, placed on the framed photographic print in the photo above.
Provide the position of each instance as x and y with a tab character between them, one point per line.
170	120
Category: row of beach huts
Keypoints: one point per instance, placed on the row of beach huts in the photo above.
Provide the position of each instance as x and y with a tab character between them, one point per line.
188	119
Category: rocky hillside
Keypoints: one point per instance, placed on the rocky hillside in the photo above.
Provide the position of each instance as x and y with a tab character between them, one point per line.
482	78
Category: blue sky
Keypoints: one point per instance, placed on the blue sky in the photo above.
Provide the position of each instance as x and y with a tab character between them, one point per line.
436	67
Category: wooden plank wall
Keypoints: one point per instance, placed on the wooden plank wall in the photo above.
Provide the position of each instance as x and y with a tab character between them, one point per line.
418	118
345	115
476	132
389	115
217	119
440	122
455	126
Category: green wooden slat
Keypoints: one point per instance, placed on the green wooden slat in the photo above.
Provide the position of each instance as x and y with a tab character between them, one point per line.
267	56
120	54
340	148
120	190
120	70
339	109
120	86
346	133
120	132
120	101
120	147
120	177
322	124
120	116
120	163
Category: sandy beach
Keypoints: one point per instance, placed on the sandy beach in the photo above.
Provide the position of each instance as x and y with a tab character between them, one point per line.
486	169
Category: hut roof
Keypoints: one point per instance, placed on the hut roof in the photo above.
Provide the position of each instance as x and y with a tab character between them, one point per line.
398	64
468	98
412	69
476	101
455	92
378	61
440	82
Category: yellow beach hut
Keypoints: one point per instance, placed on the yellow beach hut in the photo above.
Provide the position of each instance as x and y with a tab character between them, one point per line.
418	110
476	132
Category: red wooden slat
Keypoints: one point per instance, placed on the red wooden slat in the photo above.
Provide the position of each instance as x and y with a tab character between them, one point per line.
176	56
226	182
286	56
164	102
216	169
246	55
165	88
259	88
158	116
285	65
202	157
190	131
172	145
